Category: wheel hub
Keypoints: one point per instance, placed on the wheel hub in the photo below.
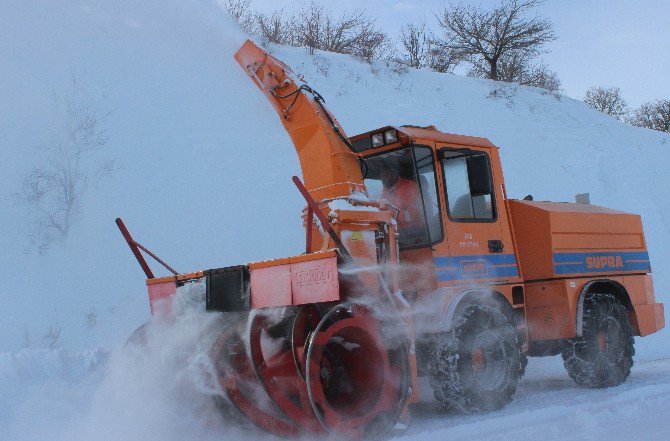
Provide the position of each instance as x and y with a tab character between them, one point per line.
477	360
602	342
608	336
488	366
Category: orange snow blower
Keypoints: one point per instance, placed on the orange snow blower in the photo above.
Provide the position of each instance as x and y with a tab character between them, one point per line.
416	264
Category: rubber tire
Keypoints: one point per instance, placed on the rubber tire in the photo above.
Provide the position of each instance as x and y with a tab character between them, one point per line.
451	365
583	359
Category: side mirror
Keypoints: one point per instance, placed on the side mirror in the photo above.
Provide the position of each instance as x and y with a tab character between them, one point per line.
479	171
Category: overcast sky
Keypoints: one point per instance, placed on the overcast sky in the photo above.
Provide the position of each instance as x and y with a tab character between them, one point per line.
600	42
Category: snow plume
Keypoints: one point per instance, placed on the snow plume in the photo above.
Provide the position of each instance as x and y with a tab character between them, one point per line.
160	387
159	391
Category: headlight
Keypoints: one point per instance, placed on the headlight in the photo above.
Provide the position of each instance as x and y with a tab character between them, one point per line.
377	139
390	136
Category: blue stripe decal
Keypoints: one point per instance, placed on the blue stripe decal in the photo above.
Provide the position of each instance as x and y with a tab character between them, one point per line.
485	266
601	262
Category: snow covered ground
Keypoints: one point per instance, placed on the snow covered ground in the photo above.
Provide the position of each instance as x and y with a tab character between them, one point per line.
100	396
549	406
205	182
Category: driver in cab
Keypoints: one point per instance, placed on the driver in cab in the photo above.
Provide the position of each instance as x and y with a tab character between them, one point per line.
402	193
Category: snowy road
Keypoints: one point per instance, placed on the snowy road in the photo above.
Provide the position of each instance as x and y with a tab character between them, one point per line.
548	405
99	396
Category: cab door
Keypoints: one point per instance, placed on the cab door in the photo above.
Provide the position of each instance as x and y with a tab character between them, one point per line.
480	245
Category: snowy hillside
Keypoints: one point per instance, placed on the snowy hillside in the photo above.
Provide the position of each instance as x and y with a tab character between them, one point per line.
205	169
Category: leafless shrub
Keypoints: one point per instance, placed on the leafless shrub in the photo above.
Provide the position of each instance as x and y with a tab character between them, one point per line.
52	337
314	27
396	65
52	193
373	44
414	40
442	57
277	27
654	115
488	35
420	48
541	76
517	68
353	33
607	100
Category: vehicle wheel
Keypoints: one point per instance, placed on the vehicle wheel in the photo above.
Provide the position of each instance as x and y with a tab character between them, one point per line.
603	355
476	366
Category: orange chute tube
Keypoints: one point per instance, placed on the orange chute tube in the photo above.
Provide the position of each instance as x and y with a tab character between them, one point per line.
330	168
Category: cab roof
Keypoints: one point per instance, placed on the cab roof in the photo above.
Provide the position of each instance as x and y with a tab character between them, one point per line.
432	134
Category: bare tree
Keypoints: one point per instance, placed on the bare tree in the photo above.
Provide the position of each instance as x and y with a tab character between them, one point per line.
52	192
517	68
654	115
310	26
341	35
373	44
420	48
607	100
491	34
314	27
353	33
415	44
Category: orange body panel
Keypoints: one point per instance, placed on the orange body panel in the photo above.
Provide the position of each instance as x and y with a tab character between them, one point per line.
308	278
650	318
563	239
552	306
550	311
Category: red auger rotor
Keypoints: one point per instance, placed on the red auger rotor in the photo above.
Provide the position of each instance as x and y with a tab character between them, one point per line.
303	373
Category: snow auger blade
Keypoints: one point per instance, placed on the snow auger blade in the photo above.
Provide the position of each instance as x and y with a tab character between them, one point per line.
302	375
272	357
241	386
357	381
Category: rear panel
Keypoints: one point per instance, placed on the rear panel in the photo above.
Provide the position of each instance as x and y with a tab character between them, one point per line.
574	240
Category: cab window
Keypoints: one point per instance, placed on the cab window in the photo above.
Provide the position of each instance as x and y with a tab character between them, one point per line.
405	178
469	184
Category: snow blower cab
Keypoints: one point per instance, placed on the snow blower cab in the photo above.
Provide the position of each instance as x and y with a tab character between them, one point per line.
416	264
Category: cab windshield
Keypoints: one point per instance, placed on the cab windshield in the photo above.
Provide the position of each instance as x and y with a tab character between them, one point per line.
405	178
